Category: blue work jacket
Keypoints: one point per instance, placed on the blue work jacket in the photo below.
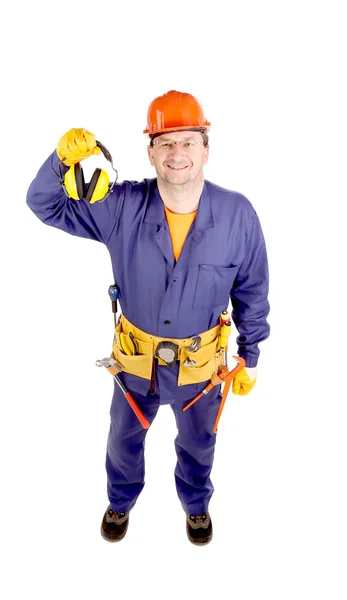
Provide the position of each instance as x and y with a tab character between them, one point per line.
224	256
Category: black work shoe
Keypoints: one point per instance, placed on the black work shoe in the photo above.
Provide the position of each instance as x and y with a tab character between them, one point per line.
199	528
114	525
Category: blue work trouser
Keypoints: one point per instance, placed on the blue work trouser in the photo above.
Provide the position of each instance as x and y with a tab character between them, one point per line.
195	443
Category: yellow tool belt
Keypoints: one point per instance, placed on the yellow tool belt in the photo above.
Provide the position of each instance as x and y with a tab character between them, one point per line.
207	359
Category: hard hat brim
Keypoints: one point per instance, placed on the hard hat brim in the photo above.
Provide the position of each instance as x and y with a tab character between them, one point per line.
205	127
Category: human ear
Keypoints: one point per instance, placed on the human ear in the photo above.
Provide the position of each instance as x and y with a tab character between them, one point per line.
150	155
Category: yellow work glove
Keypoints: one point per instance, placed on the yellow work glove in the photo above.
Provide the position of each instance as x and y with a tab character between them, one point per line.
76	145
244	381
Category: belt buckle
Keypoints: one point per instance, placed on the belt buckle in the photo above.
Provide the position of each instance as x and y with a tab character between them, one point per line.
167	352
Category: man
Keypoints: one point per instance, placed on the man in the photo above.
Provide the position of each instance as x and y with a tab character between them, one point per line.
181	248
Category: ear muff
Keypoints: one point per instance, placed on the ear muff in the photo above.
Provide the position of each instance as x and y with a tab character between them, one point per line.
74	182
80	183
98	188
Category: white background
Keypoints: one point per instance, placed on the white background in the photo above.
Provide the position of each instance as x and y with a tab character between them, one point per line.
271	77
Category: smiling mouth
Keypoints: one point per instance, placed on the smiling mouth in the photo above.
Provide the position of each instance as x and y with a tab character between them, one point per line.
177	168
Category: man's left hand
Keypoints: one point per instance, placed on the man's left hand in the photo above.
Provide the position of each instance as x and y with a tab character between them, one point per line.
244	381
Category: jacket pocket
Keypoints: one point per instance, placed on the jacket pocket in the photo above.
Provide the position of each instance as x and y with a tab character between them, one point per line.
213	285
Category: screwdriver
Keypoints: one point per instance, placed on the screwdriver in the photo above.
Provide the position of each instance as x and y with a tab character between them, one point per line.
225	324
113	292
224	317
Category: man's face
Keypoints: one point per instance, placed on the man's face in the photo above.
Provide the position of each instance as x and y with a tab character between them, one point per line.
178	164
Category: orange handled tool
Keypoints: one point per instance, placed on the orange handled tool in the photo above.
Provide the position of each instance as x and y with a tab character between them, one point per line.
227	380
141	417
113	366
220	378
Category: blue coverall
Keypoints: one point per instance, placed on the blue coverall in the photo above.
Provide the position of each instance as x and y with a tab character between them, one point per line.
223	257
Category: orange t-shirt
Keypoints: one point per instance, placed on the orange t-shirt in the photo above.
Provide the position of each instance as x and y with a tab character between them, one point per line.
179	226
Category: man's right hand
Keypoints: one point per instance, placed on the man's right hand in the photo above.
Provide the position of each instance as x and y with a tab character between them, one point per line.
76	145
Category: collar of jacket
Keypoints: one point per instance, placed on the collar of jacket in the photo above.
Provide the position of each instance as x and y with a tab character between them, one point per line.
155	209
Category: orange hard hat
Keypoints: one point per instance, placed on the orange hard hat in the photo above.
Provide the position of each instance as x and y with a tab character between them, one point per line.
174	111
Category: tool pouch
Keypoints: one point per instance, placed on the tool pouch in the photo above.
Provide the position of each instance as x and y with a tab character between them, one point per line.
139	364
207	361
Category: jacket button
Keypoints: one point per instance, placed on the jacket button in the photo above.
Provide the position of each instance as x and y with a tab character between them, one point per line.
167	322
175	280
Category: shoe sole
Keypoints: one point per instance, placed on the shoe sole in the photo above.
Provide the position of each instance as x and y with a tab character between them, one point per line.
200	542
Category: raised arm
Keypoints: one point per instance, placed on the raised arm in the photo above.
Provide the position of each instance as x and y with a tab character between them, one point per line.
47	199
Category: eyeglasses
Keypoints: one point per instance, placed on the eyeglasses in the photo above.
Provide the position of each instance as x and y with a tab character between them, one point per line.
170	144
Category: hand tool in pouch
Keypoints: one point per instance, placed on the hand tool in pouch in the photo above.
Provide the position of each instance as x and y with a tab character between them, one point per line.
113	292
114	367
222	375
216	380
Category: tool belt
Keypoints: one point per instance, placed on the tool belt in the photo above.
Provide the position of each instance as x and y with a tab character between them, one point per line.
204	361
